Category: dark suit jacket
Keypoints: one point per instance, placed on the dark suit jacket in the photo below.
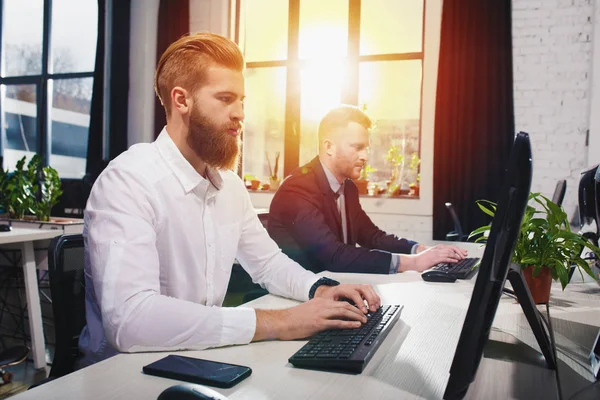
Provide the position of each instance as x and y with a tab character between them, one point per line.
305	223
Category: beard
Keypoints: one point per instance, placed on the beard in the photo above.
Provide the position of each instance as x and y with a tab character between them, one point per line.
212	143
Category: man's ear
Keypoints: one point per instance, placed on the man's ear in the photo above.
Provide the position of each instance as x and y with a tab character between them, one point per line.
180	100
329	145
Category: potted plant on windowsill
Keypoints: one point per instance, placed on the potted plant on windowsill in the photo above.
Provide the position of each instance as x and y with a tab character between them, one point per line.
362	183
546	248
253	181
274	180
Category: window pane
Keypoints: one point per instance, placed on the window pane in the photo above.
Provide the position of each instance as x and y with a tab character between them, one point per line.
70	115
391	91
391	26
264	126
22	22
323	28
322	84
19	123
68	17
264	36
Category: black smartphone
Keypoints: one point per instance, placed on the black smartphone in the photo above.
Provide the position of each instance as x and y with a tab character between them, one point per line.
196	370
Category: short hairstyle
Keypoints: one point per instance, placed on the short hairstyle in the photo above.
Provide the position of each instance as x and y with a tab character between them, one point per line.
185	61
340	117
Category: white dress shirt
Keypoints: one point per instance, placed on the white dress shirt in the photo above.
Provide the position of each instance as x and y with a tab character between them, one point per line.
160	242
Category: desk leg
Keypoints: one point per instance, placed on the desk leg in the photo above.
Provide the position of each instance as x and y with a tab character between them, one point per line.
34	310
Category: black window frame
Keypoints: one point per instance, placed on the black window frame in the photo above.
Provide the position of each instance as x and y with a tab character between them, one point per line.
43	95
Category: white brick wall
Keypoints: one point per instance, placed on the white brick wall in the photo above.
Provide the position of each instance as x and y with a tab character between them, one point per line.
552	50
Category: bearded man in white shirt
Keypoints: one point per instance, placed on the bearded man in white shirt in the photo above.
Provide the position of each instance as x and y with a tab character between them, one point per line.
165	221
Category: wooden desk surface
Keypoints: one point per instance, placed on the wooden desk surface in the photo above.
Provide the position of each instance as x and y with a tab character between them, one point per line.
413	362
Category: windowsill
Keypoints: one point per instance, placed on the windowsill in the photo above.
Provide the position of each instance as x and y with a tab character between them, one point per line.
382	204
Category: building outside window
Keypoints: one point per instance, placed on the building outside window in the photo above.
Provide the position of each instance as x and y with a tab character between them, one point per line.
304	57
47	58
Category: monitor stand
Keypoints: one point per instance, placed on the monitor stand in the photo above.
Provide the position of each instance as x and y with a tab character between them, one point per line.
521	290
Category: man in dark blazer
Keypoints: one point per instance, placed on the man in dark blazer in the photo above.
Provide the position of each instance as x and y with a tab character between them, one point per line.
316	217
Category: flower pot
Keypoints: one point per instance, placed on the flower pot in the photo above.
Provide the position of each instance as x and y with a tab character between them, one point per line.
539	286
362	186
254	184
414	190
274	184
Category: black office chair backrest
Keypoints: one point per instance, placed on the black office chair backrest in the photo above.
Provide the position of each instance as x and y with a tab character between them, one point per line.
67	288
587	196
559	192
457	234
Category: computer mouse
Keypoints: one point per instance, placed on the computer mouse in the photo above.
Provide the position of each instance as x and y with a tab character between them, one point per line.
432	275
190	391
5	228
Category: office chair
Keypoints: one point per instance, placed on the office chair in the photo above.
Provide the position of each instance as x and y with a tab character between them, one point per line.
559	192
457	234
589	190
67	288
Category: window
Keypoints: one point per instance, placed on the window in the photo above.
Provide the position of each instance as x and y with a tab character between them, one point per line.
46	79
308	56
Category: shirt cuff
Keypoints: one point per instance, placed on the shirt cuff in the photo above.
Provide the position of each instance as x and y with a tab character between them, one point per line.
414	248
239	325
395	263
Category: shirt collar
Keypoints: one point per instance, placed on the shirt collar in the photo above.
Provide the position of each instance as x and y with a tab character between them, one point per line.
336	187
183	170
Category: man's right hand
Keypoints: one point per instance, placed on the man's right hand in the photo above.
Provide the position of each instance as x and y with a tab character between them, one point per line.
307	319
428	258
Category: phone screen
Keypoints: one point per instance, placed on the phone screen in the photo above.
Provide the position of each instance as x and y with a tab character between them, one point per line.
196	370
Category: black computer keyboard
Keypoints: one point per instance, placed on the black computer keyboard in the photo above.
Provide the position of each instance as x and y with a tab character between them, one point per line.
460	270
348	349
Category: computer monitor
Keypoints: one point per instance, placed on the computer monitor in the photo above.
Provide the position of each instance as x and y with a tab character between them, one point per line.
588	208
493	271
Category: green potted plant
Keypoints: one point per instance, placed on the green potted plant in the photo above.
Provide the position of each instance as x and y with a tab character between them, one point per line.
19	189
546	248
413	166
362	182
254	181
396	160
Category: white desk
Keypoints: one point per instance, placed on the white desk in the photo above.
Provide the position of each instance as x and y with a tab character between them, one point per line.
413	362
24	238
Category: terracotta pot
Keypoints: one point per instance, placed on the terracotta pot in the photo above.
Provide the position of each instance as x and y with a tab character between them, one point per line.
414	190
361	185
539	286
254	184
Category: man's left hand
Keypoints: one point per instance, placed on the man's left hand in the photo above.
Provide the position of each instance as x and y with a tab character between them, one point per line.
355	293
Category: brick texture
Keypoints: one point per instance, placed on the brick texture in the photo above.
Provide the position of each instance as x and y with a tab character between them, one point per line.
552	50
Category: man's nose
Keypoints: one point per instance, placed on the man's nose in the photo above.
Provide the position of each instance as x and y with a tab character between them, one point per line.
238	113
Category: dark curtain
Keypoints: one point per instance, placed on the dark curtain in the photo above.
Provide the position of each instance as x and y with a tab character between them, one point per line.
119	89
474	121
173	23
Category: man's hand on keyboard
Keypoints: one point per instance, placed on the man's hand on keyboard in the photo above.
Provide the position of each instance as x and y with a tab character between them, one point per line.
355	293
327	310
431	256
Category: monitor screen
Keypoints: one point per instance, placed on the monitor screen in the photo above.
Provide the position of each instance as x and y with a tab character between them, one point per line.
587	196
493	268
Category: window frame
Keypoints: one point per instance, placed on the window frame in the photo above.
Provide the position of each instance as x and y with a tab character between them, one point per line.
43	89
294	65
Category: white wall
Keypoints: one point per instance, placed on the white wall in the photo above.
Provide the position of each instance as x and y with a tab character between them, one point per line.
552	42
142	61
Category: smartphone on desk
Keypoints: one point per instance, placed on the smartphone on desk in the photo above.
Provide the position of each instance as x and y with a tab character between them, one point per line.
196	370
